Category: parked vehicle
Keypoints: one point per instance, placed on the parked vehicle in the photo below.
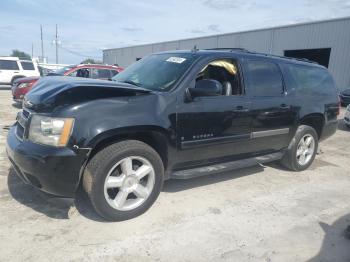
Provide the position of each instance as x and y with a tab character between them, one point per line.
179	115
22	86
345	97
45	71
12	68
347	116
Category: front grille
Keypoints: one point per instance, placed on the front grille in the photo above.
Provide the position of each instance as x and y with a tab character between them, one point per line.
20	131
26	113
22	123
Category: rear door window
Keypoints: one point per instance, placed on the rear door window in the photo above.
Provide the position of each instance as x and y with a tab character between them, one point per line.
8	65
263	78
114	72
101	73
27	65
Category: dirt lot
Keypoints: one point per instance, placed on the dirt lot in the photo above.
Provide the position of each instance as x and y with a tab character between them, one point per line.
254	214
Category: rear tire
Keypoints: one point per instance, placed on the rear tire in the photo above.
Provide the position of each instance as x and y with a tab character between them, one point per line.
302	149
124	179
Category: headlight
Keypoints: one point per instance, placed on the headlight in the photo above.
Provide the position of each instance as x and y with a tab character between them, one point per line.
23	85
50	131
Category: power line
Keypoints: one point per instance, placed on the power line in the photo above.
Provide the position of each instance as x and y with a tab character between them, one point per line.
77	53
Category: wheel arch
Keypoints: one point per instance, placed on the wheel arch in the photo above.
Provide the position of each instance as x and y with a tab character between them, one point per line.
16	77
154	136
315	120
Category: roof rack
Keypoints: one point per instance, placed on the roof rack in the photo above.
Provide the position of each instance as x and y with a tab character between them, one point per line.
286	57
231	49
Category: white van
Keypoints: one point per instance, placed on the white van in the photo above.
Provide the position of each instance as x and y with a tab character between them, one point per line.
12	68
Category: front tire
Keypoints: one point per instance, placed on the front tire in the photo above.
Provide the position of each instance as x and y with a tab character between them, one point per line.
124	179
302	150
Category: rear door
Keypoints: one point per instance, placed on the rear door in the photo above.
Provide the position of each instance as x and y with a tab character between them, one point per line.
101	73
273	115
8	69
29	68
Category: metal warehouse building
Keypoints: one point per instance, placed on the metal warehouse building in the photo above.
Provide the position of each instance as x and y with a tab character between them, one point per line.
326	42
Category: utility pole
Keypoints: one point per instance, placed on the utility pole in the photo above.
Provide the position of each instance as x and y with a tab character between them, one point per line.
42	44
32	50
56	43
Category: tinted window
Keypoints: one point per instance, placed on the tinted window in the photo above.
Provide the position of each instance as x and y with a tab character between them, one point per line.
82	72
310	80
8	65
103	73
63	70
27	65
264	78
114	72
100	73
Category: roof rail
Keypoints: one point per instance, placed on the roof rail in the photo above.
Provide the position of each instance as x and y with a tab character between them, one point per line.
264	54
228	49
287	57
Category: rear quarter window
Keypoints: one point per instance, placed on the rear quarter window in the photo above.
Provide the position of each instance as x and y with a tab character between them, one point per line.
27	66
309	80
8	65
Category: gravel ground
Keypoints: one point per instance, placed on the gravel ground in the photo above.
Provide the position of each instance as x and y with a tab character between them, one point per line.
253	214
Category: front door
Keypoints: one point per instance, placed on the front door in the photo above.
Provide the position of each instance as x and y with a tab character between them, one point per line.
216	128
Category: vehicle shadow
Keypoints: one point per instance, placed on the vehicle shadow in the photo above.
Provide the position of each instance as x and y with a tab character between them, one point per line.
335	245
61	208
51	206
342	126
176	185
17	105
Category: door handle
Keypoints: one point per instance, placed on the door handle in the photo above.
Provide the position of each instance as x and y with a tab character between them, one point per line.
16	72
284	106
240	109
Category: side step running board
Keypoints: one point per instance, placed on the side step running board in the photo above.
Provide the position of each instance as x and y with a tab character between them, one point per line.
219	168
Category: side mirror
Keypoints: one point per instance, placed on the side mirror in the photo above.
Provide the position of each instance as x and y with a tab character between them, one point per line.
206	87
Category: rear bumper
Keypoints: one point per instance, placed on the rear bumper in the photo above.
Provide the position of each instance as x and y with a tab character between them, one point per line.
50	169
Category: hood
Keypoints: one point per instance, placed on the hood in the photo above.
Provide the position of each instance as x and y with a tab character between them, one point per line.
26	79
346	92
54	91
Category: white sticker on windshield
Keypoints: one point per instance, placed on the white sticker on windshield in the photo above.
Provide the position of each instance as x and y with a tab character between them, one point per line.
175	59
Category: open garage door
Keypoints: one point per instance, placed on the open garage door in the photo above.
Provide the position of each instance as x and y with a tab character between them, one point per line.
319	55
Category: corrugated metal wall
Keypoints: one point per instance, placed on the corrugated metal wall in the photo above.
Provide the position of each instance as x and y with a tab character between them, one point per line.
334	34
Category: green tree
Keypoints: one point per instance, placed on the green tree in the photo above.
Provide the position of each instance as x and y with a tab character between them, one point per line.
20	54
90	61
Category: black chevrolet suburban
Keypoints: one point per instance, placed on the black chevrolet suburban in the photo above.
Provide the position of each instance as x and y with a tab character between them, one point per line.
171	115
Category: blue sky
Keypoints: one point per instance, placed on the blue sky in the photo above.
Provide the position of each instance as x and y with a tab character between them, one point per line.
86	27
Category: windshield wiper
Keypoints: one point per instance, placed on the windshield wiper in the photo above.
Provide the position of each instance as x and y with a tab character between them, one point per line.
132	83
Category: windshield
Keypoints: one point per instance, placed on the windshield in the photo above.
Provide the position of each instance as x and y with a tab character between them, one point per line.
157	72
63	70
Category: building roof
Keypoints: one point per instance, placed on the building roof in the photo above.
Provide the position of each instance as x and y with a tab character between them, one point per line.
240	32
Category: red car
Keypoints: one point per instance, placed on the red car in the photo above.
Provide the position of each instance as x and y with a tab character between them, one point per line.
23	85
